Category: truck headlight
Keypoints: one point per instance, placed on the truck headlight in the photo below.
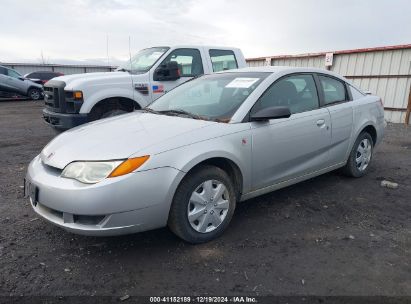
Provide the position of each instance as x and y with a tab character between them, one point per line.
91	172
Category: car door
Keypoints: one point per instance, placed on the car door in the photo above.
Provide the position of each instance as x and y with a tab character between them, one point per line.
283	149
190	63
16	82
335	97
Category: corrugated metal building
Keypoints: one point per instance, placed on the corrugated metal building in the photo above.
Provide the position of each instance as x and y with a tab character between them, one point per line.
384	71
25	68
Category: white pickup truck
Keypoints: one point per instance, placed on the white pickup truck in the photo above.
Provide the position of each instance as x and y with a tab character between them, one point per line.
76	99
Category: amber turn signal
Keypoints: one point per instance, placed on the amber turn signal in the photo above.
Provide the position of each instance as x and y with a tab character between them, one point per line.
129	165
78	95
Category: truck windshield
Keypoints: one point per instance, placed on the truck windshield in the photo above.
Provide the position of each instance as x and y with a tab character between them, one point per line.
143	60
212	97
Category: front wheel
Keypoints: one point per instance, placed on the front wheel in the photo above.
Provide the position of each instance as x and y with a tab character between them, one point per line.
34	94
203	205
360	157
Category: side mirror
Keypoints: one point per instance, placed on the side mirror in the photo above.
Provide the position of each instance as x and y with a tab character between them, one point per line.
22	78
167	72
271	113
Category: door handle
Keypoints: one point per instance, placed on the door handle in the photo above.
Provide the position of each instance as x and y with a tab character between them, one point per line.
320	122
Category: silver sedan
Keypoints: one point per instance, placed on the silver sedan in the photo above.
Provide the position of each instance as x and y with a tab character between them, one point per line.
188	158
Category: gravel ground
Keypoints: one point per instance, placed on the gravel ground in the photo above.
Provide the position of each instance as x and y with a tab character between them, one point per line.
331	235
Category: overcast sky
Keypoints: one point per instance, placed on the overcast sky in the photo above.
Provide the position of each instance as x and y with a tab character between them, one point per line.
76	30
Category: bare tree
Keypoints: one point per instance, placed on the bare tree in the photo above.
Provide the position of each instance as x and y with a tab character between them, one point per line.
43	59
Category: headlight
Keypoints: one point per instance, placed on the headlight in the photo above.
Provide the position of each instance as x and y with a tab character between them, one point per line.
76	95
91	172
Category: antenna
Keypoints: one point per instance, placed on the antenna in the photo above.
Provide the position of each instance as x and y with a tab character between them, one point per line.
108	58
129	49
131	74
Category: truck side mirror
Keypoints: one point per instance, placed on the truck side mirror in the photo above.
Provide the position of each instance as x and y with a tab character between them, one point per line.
167	72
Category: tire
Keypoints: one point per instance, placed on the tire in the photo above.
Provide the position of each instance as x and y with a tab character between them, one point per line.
359	161
210	215
34	94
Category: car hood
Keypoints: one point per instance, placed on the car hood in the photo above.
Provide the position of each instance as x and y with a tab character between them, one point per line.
118	137
78	81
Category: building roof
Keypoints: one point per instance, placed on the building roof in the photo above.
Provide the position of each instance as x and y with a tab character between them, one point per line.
374	49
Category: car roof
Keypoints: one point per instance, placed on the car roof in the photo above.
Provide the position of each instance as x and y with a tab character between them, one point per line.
194	46
44	72
285	70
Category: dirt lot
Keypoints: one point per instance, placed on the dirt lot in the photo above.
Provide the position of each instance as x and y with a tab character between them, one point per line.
331	235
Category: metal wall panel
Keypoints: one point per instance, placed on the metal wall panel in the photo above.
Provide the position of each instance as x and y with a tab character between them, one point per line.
386	73
65	69
256	63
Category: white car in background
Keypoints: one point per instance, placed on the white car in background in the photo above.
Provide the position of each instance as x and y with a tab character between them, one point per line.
188	158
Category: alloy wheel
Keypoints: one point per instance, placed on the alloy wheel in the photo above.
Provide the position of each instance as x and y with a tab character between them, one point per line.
35	95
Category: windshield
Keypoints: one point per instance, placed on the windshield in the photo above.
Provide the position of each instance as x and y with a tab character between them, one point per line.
214	97
143	60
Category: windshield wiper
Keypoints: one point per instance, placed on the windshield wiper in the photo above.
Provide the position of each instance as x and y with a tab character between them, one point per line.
182	112
150	111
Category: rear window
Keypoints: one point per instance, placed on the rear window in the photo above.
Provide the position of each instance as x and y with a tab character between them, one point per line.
48	75
33	75
223	60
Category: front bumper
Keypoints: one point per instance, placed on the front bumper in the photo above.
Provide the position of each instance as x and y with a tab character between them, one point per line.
64	121
131	203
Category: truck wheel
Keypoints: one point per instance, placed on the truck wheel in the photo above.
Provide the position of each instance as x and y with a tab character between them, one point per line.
358	162
203	205
34	94
112	113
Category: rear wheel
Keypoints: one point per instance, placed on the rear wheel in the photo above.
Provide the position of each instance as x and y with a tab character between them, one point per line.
203	205
34	93
360	157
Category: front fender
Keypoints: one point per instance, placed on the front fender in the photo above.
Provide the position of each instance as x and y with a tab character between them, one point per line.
91	100
185	158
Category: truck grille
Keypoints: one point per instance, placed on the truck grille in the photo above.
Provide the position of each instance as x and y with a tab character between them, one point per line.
55	98
51	97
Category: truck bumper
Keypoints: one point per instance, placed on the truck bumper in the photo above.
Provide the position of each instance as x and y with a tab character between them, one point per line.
64	121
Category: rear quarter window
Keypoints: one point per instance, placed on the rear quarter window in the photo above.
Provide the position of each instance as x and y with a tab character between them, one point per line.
333	89
356	94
